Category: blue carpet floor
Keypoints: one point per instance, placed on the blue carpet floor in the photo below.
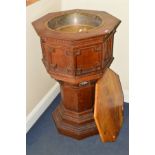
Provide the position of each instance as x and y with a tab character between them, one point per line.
43	139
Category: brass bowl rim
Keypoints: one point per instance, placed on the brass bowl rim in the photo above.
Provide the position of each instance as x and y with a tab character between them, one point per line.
94	28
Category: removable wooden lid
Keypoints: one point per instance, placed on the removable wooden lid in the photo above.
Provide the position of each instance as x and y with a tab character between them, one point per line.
108	108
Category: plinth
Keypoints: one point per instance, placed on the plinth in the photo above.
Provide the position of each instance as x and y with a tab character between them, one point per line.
77	47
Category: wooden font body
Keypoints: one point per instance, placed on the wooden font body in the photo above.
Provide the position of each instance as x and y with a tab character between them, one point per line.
77	61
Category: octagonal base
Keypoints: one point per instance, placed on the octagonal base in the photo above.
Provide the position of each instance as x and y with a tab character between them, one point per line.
74	124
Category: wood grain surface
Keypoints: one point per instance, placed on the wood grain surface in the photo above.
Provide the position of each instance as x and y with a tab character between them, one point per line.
108	108
77	61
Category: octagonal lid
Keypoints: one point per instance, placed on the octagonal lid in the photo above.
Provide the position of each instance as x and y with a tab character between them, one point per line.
108	109
75	24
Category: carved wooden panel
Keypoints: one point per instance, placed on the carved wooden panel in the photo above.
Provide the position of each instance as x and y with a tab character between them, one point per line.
45	55
89	59
107	53
58	60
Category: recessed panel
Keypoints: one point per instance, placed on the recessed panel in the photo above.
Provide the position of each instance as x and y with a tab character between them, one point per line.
89	59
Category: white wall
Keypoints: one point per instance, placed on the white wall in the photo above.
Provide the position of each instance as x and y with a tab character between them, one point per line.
118	8
38	81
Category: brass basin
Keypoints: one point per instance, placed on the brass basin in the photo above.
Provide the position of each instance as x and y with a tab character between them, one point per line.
75	22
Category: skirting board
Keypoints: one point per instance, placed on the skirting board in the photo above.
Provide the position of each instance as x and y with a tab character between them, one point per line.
42	106
47	100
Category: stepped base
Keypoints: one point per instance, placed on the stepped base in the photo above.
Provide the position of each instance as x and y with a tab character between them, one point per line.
74	124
